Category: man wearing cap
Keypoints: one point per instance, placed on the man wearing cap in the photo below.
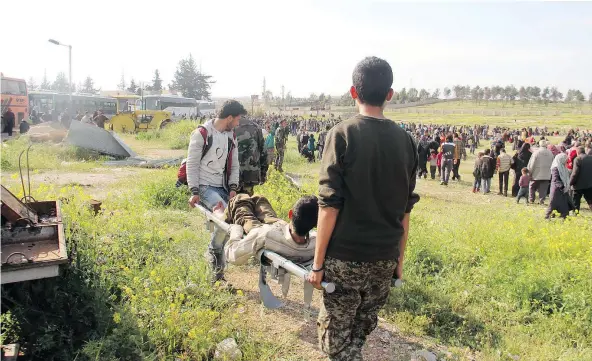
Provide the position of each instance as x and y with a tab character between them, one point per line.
539	168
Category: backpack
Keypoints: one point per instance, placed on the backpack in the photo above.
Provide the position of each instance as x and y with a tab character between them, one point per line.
182	173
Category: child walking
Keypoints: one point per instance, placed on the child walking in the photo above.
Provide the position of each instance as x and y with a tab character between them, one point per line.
433	163
523	184
477	172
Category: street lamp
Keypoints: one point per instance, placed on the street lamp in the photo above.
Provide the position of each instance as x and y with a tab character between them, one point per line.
69	65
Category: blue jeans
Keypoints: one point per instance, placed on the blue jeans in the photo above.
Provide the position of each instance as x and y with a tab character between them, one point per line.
477	183
210	196
486	185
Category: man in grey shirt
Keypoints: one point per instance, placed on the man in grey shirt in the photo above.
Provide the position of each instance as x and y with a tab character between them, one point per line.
213	170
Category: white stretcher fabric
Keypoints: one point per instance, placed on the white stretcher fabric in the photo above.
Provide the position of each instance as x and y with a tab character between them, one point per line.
275	237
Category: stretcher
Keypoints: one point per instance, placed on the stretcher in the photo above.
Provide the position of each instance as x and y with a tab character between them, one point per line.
279	268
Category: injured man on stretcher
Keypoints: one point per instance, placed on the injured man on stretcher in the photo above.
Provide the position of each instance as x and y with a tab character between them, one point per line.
256	226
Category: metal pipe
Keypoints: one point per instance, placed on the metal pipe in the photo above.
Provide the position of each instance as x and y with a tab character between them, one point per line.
294	269
280	261
210	216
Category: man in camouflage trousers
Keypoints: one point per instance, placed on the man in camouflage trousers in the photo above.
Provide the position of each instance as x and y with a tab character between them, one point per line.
252	156
366	194
281	137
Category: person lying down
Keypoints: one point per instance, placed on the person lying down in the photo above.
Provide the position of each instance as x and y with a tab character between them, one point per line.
264	229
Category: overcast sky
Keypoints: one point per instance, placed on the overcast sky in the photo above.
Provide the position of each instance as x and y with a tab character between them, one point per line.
308	46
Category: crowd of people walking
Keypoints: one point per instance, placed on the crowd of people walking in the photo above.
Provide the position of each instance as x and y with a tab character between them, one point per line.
563	171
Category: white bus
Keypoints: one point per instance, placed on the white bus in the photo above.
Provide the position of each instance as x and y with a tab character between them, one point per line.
176	105
206	107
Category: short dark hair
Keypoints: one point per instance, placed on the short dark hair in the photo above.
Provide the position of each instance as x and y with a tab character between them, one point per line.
372	78
233	108
581	150
487	151
449	138
305	214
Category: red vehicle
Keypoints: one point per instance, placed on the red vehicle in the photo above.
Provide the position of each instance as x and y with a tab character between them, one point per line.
14	96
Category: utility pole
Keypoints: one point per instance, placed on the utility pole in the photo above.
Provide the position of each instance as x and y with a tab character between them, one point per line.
264	93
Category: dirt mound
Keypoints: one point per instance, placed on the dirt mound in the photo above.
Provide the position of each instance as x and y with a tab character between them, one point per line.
48	132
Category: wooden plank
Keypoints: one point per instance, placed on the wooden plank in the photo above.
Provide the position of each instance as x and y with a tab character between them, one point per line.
13	209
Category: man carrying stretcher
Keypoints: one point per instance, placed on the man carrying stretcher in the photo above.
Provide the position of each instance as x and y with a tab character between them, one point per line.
264	229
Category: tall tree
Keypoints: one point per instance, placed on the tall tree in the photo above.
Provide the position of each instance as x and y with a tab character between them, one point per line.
545	95
569	96
412	95
121	86
555	94
289	98
60	84
436	94
403	97
458	92
133	88
579	96
346	99
32	84
535	94
446	92
475	93
487	94
45	84
590	98
423	94
522	93
322	98
191	82
329	100
88	86
156	82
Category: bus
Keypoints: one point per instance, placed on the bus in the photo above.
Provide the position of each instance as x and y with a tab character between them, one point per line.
14	96
207	107
170	103
51	104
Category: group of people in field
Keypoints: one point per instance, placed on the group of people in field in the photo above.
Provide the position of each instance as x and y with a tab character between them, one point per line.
563	171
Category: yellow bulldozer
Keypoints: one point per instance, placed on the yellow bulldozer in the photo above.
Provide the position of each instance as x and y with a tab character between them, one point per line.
135	114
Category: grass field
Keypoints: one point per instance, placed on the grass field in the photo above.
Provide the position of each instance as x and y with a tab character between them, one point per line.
486	279
561	122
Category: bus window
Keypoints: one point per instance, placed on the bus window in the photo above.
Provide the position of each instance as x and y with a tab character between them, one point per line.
13	87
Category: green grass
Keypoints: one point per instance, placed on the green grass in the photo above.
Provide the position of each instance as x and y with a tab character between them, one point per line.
481	272
563	122
46	156
174	135
484	273
137	288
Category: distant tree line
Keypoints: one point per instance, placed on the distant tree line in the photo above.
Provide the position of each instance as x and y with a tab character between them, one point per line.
477	94
187	80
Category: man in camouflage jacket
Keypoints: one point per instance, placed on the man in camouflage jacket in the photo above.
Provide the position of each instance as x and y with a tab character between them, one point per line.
252	156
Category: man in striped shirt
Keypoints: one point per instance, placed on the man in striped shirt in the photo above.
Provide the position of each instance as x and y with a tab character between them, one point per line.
504	163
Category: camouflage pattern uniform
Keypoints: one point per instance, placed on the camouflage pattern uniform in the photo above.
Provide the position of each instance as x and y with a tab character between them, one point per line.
350	314
252	156
281	137
250	211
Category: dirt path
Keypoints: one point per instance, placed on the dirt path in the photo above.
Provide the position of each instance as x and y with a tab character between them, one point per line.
295	329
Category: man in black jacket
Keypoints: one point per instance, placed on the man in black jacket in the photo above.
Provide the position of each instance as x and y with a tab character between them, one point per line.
581	178
366	194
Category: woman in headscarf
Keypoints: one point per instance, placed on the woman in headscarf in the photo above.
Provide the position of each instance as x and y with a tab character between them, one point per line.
560	200
521	160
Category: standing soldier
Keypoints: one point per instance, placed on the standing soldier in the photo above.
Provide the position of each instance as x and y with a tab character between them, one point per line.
281	137
321	143
252	155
